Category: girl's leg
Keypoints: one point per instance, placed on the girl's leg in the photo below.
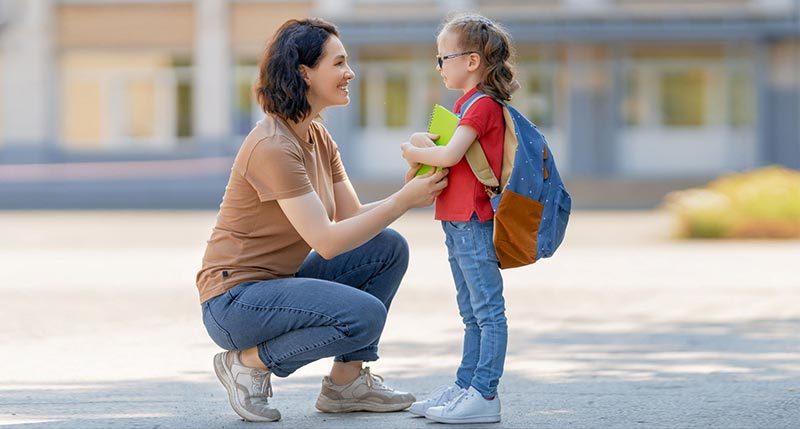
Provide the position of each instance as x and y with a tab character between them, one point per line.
472	333
475	255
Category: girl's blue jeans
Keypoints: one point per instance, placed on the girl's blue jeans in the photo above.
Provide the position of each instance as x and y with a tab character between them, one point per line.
331	307
479	292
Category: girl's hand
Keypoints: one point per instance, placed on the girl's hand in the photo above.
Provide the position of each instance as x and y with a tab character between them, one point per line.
422	191
405	148
423	139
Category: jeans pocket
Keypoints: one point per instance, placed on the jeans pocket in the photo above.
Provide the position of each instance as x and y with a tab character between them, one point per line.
458	226
217	333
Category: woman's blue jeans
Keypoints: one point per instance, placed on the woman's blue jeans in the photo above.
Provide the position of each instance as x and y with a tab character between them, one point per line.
331	307
479	293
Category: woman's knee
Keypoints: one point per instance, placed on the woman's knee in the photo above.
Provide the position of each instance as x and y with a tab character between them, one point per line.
369	316
396	243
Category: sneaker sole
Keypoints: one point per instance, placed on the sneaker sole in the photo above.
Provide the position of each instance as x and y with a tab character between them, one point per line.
224	375
477	419
417	413
331	406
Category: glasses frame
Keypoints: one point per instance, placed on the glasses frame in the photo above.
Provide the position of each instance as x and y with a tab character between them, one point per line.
440	60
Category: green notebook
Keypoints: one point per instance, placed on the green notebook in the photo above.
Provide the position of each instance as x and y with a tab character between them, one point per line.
444	123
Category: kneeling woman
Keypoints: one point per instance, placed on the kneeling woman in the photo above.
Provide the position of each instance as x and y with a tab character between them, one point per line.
267	298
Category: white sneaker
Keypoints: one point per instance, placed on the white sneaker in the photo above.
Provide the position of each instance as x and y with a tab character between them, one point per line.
440	396
468	407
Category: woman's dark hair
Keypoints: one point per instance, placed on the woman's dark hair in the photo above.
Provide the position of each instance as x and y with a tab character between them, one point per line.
280	88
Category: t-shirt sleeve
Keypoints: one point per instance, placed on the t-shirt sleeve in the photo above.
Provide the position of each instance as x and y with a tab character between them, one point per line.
276	171
481	115
337	168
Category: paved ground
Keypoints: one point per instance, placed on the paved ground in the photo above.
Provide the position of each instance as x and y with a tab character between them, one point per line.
100	328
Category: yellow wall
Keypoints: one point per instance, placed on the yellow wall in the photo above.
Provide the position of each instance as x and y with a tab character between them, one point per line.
160	26
86	98
253	24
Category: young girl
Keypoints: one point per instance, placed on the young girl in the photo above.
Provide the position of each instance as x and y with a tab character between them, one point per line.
474	54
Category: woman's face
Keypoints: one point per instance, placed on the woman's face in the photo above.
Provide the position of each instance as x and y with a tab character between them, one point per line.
328	81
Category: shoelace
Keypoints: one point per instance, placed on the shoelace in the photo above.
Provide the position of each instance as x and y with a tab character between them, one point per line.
461	395
448	394
439	393
262	383
374	381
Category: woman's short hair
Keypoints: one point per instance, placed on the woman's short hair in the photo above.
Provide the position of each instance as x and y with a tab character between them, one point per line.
280	88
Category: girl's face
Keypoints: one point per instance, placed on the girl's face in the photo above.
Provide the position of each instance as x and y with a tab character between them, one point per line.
457	70
327	82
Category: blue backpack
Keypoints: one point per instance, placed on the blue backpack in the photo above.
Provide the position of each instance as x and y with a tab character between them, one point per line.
531	203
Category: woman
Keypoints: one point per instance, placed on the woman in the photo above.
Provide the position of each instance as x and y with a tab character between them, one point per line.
267	298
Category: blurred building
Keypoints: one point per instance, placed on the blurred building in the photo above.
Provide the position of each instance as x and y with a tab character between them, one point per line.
630	93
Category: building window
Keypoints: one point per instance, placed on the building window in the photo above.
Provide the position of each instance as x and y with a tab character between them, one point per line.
692	94
116	101
246	110
741	95
541	99
683	98
537	96
396	100
385	95
633	104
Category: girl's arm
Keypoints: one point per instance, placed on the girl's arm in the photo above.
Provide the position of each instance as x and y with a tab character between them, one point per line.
330	238
441	156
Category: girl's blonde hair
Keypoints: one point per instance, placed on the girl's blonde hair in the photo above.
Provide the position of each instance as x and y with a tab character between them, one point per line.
493	43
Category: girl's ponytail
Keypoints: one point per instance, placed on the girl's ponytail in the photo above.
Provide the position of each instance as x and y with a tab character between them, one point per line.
498	79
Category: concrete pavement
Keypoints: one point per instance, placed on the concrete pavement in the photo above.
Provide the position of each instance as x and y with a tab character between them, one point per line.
624	328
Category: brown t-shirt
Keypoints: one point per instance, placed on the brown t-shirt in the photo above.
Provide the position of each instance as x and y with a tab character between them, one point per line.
253	240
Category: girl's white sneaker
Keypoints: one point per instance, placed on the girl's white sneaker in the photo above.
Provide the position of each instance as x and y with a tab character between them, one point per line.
440	396
468	407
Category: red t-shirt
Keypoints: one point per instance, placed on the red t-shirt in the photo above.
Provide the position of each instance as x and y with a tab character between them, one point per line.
464	194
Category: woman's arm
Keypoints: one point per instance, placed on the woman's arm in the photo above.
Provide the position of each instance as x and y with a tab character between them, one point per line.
330	239
442	156
347	203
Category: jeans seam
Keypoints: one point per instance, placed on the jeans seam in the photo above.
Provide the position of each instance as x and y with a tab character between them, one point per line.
314	346
298	310
224	331
357	268
367	349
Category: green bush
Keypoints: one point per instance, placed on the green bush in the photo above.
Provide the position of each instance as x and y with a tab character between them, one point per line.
763	203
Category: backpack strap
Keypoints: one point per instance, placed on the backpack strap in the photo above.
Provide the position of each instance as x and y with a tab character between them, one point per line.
476	158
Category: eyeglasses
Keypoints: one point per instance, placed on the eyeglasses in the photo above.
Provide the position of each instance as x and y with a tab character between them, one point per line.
440	60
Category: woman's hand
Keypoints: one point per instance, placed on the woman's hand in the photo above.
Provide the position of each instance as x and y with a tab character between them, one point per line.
412	171
422	191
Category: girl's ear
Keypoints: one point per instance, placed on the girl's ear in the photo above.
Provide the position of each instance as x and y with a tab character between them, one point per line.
474	62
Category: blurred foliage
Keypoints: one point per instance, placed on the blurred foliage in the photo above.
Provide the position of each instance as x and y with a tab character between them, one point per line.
763	203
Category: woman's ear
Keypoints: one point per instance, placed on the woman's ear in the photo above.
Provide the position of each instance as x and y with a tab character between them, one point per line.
304	73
